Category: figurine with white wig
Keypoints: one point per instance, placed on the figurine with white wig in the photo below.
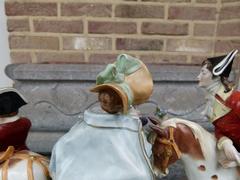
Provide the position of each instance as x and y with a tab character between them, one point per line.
223	105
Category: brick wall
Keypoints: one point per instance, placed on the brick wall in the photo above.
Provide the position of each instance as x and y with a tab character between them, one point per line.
95	31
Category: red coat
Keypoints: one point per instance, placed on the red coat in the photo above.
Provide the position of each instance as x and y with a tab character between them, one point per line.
14	134
229	124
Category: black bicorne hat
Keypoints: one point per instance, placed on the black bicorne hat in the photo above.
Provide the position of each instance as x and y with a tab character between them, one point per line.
10	101
222	65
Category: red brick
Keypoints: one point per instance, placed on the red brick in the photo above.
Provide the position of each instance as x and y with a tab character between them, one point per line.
167	1
139	11
139	44
86	9
20	57
84	43
18	25
30	9
229	1
224	46
112	27
165	28
204	29
60	57
229	29
183	45
206	1
230	12
33	42
60	26
102	58
164	59
192	13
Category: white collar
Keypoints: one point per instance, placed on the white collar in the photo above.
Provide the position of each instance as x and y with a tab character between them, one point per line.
8	119
111	120
212	88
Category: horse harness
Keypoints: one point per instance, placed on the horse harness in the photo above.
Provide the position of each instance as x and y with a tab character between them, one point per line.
11	155
170	146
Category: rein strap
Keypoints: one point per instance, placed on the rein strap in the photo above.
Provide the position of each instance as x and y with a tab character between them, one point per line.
172	142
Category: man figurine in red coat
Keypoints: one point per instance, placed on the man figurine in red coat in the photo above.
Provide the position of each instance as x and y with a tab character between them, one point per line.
16	160
13	129
223	106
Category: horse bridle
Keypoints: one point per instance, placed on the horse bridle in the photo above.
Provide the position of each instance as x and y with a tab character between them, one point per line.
171	145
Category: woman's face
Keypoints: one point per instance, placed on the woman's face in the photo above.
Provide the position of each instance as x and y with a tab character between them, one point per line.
205	78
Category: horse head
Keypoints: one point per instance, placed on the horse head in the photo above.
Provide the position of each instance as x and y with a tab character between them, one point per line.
171	142
165	151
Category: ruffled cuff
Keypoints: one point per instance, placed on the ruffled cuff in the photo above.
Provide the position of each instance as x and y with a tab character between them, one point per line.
222	141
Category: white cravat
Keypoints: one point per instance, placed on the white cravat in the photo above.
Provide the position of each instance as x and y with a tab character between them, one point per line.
8	119
210	97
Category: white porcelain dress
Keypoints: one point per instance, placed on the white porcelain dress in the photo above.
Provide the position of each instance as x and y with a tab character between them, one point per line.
102	147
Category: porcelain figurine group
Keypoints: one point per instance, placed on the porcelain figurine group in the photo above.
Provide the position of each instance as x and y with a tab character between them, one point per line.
112	141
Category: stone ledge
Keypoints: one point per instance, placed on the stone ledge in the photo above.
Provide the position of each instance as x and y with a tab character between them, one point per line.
88	72
43	142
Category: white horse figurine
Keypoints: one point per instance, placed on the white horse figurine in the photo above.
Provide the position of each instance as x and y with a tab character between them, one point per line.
23	165
196	147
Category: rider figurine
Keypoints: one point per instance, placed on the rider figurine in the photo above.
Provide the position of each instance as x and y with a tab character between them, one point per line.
223	105
13	134
108	142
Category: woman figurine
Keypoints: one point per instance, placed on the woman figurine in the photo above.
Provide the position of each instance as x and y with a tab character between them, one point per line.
108	143
223	106
17	162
